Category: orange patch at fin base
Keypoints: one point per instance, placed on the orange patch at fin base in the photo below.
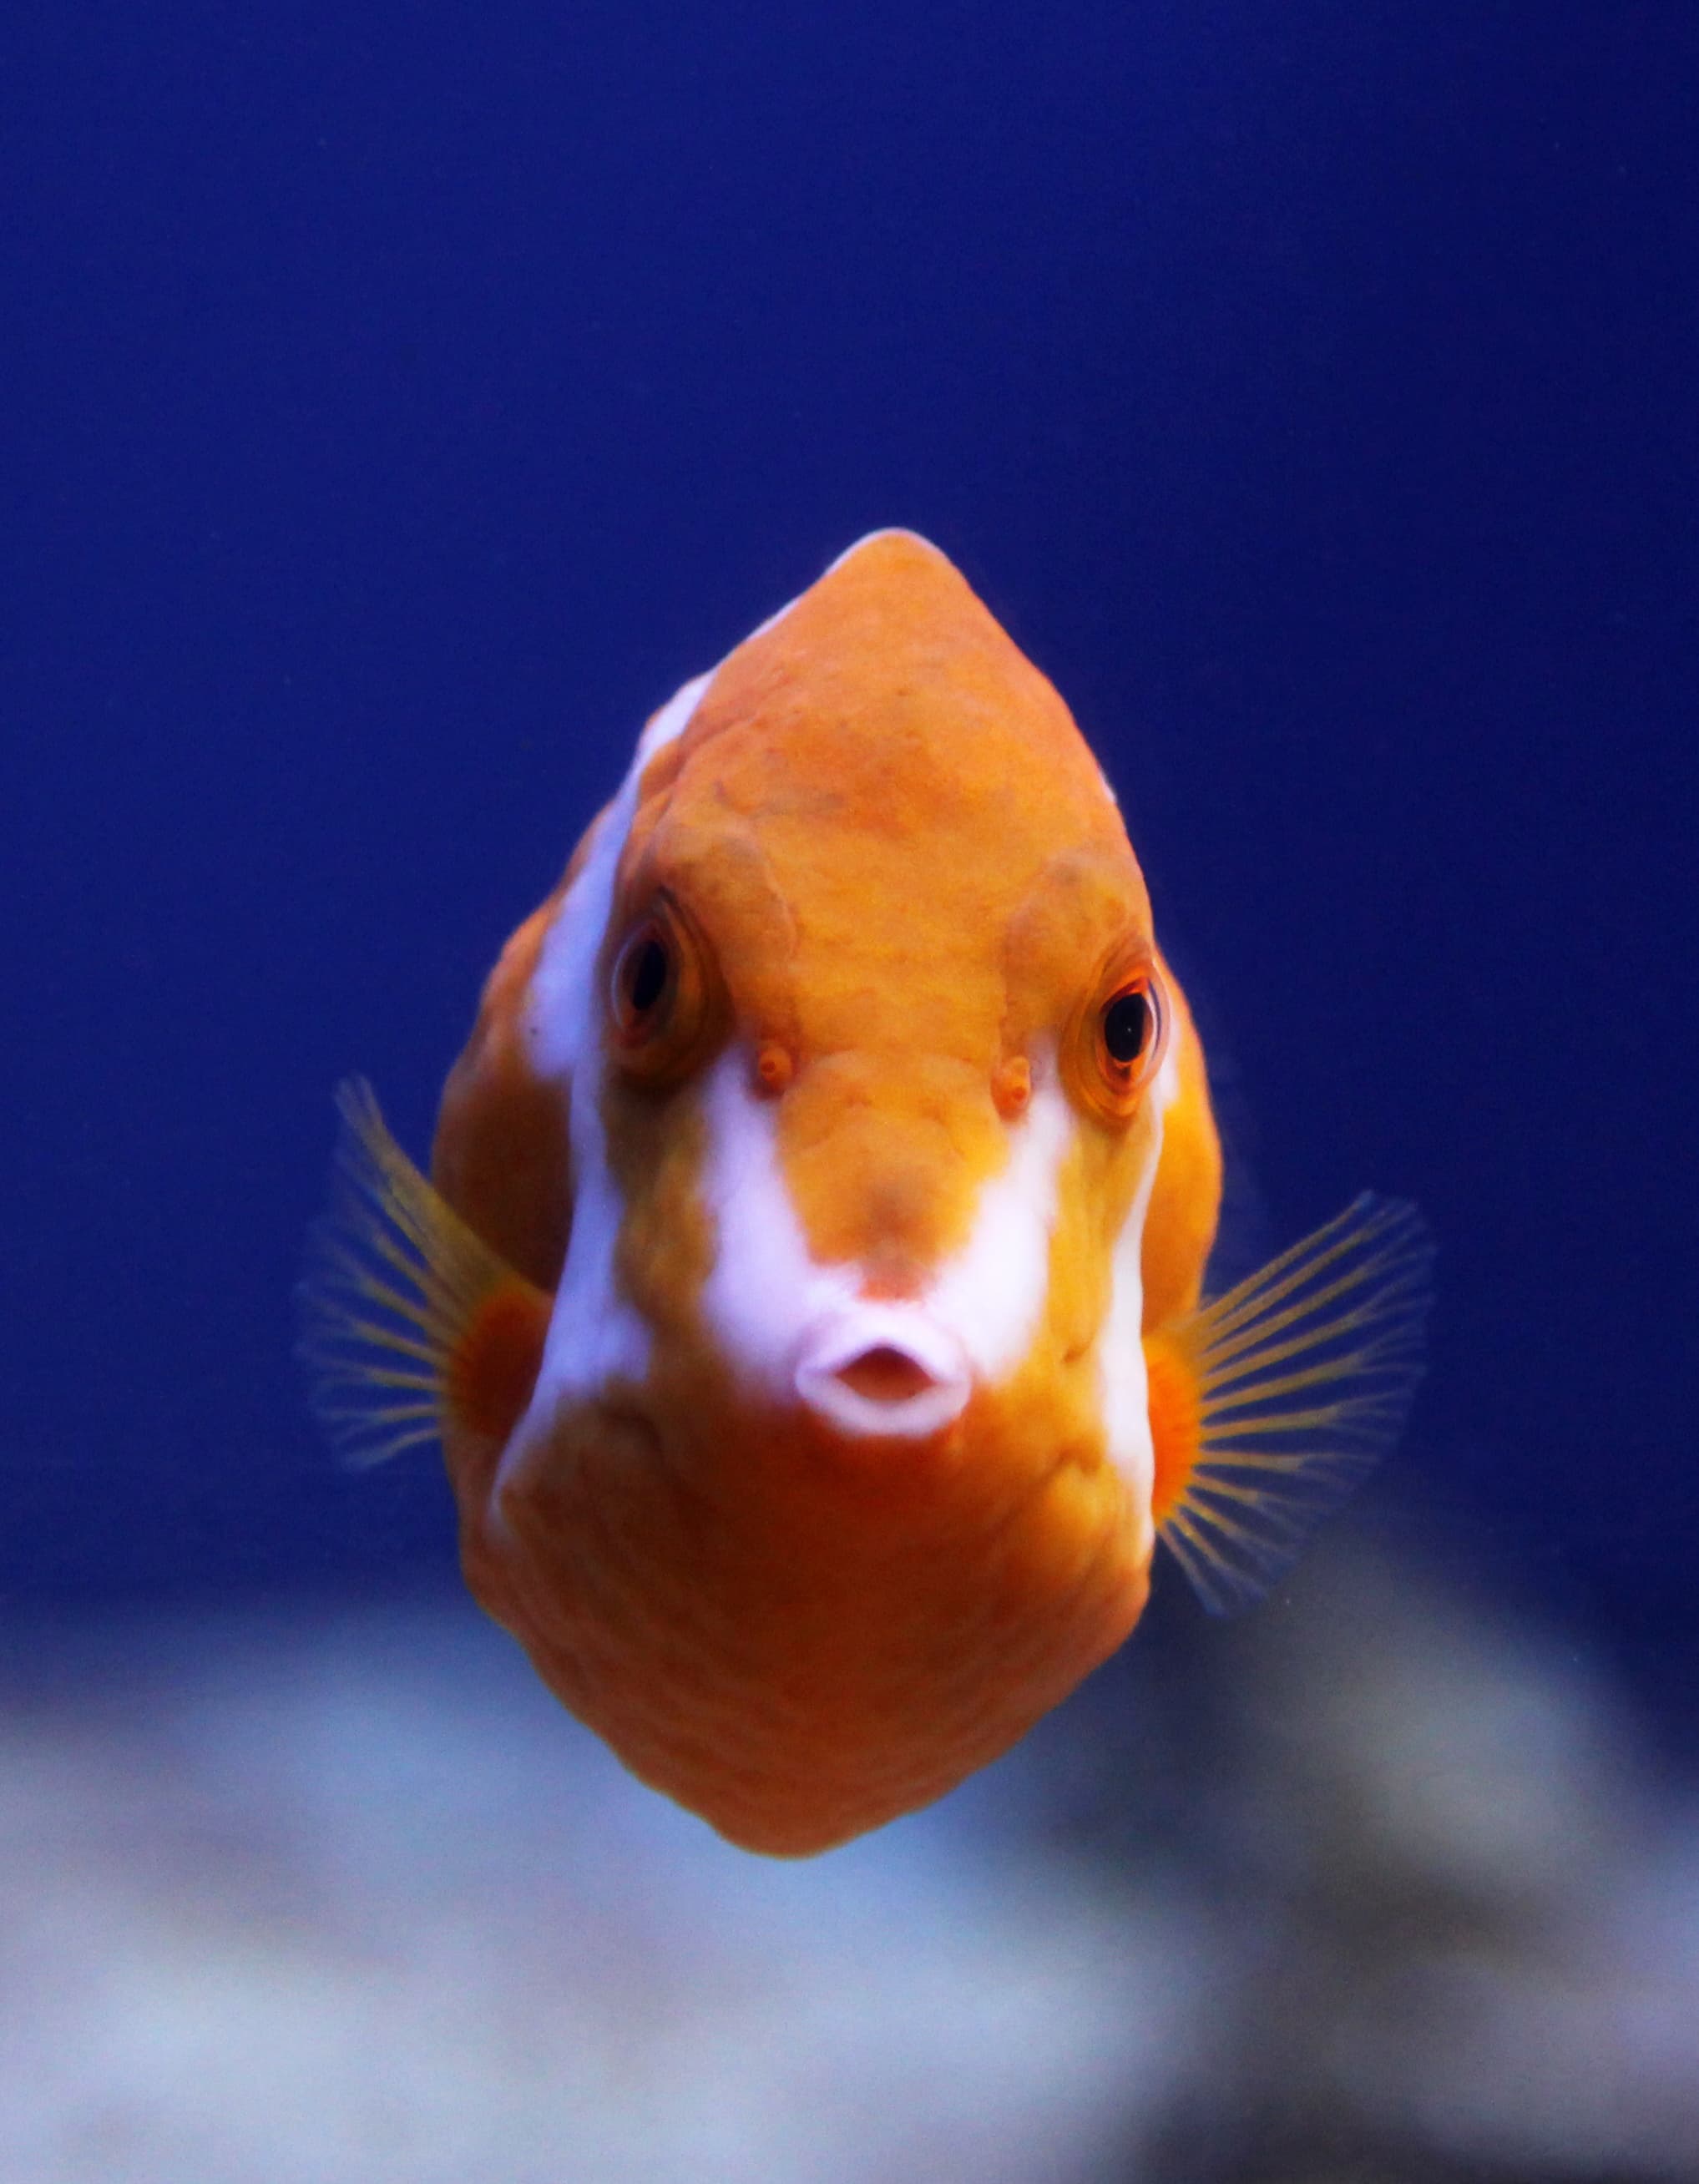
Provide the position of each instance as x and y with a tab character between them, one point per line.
410	1324
1269	1405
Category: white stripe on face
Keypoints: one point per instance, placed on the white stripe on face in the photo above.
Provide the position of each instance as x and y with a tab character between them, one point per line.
594	1335
1121	1347
796	1329
993	1291
764	1289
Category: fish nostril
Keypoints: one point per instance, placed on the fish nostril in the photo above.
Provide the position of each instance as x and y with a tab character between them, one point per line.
885	1374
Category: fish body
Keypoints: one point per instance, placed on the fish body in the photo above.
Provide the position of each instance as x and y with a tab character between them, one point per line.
807	1290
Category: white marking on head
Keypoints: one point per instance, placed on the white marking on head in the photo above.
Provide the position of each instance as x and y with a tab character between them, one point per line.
565	1017
993	1291
669	724
794	1328
764	1289
594	1335
1121	1346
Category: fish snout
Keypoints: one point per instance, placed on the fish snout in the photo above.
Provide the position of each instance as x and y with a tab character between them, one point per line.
874	1370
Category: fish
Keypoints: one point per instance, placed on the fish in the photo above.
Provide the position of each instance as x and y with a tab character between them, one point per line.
807	1291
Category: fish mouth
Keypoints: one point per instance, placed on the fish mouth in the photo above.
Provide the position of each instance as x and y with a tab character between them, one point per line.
877	1371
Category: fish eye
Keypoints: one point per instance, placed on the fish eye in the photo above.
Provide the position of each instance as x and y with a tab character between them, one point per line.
1126	1023
664	1000
1117	1040
641	976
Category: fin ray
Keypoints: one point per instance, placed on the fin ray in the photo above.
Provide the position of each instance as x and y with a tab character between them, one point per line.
1301	1263
1343	1309
1249	1335
395	1280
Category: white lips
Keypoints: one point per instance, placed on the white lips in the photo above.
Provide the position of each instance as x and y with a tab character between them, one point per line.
924	1364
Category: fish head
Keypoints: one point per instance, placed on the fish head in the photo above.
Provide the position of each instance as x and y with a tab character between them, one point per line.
836	1470
881	1026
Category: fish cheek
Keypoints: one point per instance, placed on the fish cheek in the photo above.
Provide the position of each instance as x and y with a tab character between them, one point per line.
1080	1271
549	1555
527	1543
1102	1183
657	1145
487	1558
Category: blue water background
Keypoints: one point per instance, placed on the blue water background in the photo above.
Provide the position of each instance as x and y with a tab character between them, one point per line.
401	402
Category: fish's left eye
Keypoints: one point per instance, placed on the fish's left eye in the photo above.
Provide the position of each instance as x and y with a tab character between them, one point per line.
1128	1022
1117	1040
664	999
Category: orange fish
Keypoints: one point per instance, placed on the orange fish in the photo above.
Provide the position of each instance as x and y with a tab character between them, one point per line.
806	1293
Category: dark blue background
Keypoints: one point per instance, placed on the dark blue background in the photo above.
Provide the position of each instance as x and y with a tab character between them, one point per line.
401	401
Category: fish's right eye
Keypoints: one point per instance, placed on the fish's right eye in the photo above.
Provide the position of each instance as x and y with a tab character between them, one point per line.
664	1004
641	978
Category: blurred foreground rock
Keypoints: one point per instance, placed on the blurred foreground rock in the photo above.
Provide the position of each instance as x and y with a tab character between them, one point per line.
1371	1886
331	1900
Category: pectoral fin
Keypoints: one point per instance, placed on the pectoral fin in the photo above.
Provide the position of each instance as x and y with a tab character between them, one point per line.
411	1325
1268	1405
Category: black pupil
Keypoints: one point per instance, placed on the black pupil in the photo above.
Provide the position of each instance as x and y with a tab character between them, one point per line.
646	976
1125	1022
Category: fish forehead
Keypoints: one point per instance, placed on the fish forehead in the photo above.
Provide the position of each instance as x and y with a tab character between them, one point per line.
869	795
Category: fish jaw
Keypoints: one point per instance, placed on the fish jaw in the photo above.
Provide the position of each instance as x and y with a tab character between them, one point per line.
794	1644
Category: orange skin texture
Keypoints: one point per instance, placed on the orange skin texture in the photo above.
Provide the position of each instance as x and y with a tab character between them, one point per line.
910	886
501	1158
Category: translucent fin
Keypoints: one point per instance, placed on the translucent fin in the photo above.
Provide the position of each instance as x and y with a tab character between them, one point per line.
1283	1394
397	1290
